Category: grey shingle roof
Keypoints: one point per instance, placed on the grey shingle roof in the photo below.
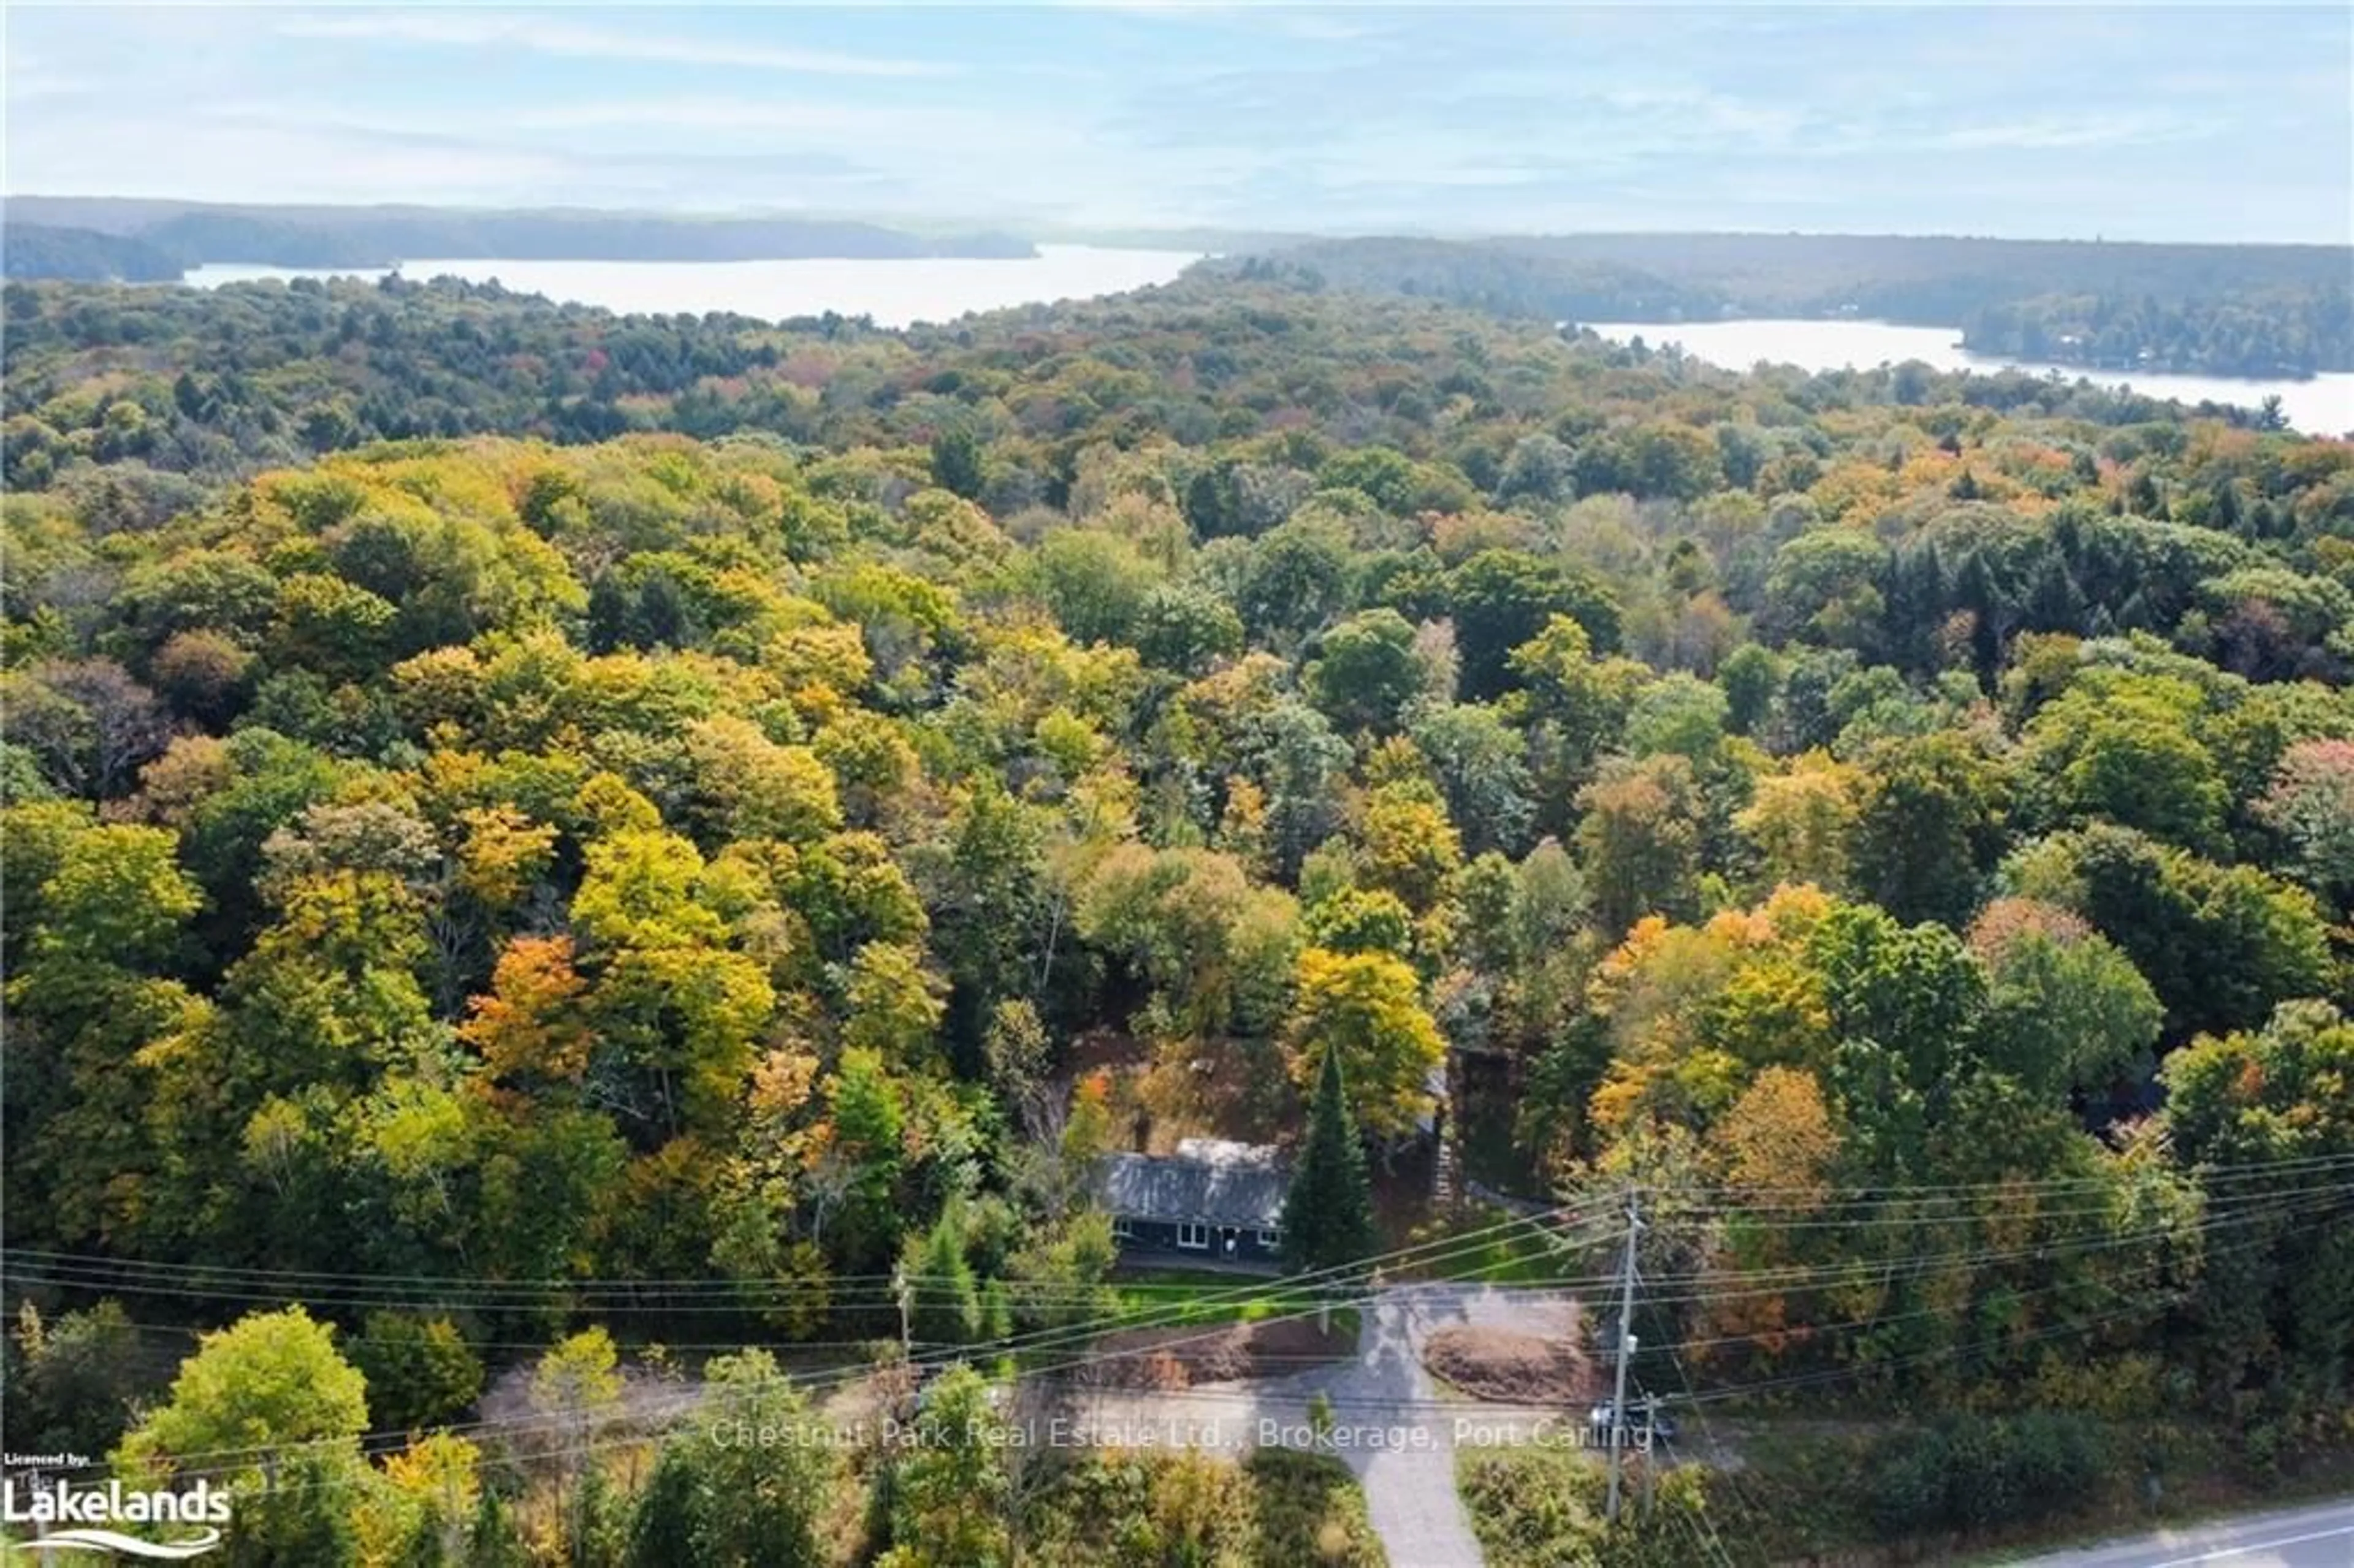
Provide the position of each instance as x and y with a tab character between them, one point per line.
1209	1182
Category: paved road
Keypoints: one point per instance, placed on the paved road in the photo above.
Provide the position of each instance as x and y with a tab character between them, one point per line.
2317	1537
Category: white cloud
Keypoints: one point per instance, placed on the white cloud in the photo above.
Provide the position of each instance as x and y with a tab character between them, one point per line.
551	35
1308	23
219	160
1223	113
2064	131
735	114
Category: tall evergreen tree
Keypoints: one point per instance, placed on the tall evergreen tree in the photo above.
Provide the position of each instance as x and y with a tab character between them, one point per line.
1328	1215
958	464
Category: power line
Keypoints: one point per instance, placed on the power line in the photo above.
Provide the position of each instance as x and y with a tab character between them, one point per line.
93	1273
705	1405
1054	1338
1057	1337
633	1440
1727	1198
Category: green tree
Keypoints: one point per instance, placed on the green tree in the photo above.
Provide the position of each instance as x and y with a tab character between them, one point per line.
1297	759
75	1379
1366	670
1215	946
956	462
1914	991
1677	713
1327	1213
1186	628
1751	677
270	1400
1096	583
940	1285
1578	704
1639	843
2126	752
869	1127
2222	945
420	1371
1057	1279
1501	599
1930	827
1295	580
2067	1010
1480	763
948	1493
750	1486
2271	1308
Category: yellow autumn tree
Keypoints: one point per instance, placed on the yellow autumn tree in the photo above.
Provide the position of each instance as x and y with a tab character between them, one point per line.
1367	1006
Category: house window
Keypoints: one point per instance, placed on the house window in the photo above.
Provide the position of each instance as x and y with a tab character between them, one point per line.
1195	1236
1123	1229
1270	1239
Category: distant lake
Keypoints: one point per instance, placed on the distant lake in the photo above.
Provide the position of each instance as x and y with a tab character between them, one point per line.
897	293
2323	406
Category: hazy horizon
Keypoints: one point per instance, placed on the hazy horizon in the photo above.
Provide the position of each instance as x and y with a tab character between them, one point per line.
2153	124
1051	232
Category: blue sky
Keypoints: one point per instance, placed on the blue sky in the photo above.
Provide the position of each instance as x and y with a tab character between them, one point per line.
2155	121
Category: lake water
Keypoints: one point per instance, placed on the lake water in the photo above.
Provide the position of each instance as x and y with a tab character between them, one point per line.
897	293
2323	406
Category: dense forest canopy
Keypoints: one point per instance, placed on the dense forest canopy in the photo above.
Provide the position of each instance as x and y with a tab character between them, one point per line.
762	806
38	250
145	385
2223	310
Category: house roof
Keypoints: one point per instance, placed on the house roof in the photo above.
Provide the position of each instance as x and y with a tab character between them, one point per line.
1208	1182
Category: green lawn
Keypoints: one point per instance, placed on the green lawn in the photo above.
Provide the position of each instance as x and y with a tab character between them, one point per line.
1179	1297
1500	1251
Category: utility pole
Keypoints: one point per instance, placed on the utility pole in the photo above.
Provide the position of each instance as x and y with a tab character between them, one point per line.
906	1293
1626	1353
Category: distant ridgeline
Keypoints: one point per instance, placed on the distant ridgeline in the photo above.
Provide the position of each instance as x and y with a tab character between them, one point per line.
145	241
40	250
2219	310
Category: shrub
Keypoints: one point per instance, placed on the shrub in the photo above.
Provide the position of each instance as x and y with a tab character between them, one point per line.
1973	1473
420	1371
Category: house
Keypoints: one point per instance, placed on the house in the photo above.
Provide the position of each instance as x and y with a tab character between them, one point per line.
1213	1201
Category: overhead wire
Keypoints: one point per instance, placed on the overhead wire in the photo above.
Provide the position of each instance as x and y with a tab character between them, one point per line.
1079	1333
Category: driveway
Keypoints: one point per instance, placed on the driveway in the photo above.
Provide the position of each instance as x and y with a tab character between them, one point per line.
1393	1428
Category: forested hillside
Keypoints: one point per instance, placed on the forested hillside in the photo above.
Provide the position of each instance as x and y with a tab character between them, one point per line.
369	237
129	389
36	251
2238	309
715	815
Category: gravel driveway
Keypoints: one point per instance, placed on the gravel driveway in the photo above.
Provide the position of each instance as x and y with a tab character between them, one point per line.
1395	1429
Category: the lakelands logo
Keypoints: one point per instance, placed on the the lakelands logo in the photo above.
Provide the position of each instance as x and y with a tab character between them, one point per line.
88	1513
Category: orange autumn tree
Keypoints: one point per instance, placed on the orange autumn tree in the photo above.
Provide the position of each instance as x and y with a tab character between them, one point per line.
1775	1149
531	1028
1692	1011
